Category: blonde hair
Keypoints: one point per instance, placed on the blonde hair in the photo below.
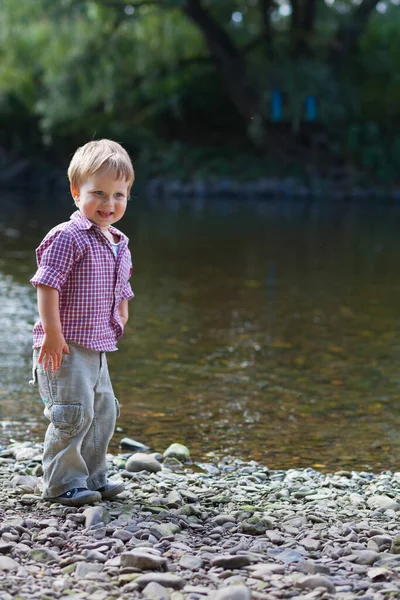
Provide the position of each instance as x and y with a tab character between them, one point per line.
100	155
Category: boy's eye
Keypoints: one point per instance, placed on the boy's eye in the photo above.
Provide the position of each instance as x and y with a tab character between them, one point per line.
119	195
98	193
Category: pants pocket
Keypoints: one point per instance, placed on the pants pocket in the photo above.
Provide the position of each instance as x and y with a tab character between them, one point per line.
117	408
47	386
67	419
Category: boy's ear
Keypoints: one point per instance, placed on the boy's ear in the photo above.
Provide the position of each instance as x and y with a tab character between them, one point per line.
74	192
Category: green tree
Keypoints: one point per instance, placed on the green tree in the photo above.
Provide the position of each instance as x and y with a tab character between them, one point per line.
145	69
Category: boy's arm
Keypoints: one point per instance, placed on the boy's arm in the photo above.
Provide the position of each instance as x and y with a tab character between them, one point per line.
123	311
53	343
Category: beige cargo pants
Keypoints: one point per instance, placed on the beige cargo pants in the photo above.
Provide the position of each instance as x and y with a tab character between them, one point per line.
82	409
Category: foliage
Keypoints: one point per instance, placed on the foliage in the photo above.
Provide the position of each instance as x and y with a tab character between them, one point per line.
149	73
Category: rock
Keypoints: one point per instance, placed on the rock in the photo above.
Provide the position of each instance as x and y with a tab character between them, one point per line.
95	515
5	547
174	499
379	574
94	555
142	559
44	555
131	444
290	556
356	499
8	564
382	501
155	591
308	566
316	581
24	452
232	561
165	579
122	534
192	530
193	563
378	543
266	570
30	499
310	544
142	462
189	496
395	546
233	592
177	596
179	452
164	530
83	568
296	522
363	557
27	483
255	526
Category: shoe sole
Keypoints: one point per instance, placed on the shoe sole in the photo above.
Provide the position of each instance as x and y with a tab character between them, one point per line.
78	501
114	491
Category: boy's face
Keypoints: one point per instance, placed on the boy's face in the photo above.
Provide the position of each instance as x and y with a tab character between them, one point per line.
102	199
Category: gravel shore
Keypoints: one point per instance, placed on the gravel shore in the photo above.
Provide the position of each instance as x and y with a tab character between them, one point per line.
224	530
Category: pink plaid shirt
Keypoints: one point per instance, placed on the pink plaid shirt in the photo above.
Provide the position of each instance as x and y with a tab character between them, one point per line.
76	259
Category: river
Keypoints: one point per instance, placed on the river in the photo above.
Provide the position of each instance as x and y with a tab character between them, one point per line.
265	331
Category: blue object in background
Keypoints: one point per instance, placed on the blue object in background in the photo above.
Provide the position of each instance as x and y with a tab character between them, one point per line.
311	109
276	106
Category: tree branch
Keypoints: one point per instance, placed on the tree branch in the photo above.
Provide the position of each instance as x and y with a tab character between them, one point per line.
302	26
295	16
351	30
309	16
228	59
266	7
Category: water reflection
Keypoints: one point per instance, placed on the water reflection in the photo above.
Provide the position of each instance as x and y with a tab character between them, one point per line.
266	331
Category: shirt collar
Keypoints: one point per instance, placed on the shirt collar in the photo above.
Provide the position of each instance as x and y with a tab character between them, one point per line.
83	222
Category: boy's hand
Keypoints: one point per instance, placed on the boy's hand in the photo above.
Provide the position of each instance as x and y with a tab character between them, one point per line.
123	312
53	346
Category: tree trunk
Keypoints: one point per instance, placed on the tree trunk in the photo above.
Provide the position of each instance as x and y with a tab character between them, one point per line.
266	7
227	58
302	26
309	16
349	33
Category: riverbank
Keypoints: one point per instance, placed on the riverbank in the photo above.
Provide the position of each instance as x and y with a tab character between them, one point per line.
284	188
232	182
231	530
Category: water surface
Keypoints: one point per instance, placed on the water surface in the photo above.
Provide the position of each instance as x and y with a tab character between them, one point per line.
265	331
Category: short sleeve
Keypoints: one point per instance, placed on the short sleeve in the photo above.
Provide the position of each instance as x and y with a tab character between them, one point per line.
127	293
56	256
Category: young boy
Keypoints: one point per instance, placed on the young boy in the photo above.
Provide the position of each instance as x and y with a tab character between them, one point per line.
82	282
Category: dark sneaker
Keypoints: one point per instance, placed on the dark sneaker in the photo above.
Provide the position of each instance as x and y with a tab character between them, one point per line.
77	497
112	488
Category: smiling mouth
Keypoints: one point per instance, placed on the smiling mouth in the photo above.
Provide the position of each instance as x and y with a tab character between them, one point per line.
105	215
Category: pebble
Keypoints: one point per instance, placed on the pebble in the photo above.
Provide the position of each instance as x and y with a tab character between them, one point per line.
164	579
317	581
179	452
229	530
95	515
193	563
8	564
142	560
131	444
231	561
142	462
233	592
155	591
